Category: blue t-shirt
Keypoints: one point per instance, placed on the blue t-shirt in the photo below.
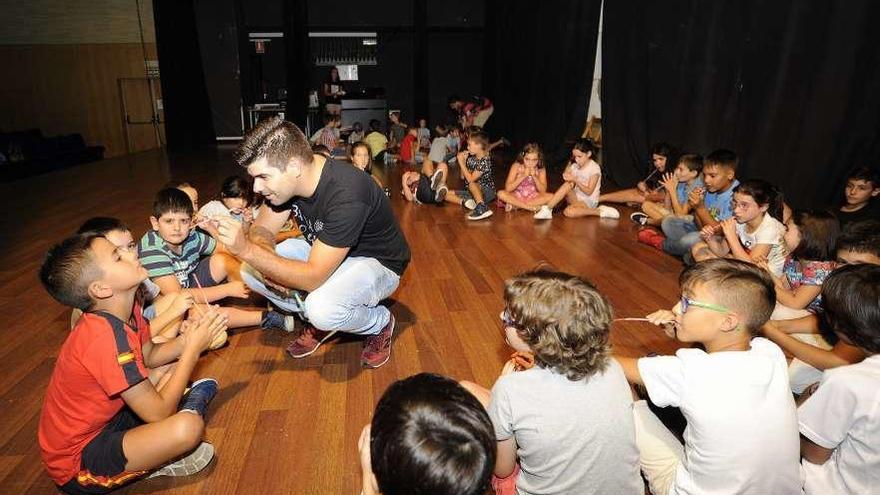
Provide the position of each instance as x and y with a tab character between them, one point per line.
683	190
720	204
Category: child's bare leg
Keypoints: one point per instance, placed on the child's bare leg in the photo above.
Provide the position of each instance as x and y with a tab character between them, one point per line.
624	196
577	209
655	212
451	197
512	200
428	167
701	252
237	317
154	444
541	199
476	192
222	265
560	194
480	392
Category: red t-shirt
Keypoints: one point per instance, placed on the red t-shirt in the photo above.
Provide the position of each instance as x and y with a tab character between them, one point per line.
406	148
101	358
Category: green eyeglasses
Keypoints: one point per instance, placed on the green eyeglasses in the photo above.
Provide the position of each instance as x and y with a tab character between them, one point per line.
686	303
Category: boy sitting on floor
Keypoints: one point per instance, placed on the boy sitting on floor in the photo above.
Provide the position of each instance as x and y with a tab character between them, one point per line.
741	434
103	422
840	421
177	256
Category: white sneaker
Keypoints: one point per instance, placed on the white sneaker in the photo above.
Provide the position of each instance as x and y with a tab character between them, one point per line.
197	460
545	213
608	212
470	204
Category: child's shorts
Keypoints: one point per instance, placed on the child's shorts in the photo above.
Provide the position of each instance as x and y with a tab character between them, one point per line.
488	194
203	273
424	193
586	199
102	467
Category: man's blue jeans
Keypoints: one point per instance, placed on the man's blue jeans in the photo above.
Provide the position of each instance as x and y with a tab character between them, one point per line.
681	234
348	301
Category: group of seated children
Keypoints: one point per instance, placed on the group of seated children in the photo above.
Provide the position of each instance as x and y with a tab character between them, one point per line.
120	405
567	415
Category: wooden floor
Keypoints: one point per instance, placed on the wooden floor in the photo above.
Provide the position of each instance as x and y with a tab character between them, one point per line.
290	426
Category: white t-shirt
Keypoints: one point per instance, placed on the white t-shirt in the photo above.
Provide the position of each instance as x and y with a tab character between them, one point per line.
769	232
741	436
438	149
583	175
573	437
844	414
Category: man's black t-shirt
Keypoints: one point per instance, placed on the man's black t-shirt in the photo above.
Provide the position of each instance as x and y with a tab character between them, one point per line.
348	209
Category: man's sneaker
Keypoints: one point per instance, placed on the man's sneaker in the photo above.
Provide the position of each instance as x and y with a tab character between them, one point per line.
198	397
377	348
273	320
608	212
197	460
308	341
436	179
440	195
469	204
545	213
639	218
480	212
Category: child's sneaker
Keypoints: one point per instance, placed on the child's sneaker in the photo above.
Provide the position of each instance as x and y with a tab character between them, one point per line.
198	397
608	212
545	213
440	195
639	218
436	179
273	320
652	238
308	341
480	212
377	348
469	204
197	460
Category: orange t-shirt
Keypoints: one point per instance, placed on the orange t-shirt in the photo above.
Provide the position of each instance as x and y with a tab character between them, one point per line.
101	358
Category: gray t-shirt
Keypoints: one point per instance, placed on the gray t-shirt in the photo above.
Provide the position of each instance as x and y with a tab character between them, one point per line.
573	437
438	149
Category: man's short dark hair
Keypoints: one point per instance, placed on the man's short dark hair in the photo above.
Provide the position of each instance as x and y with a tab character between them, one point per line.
430	435
739	286
860	237
722	158
69	268
851	300
102	225
278	141
172	200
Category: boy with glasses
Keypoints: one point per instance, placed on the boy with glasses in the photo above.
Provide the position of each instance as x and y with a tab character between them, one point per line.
742	426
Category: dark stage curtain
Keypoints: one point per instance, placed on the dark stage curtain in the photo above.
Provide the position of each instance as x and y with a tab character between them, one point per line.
791	86
538	69
188	120
296	35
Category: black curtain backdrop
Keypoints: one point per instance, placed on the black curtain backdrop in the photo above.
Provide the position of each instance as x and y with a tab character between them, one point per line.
538	70
296	37
188	121
791	86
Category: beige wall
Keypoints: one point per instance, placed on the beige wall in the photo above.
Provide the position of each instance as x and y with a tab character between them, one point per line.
63	63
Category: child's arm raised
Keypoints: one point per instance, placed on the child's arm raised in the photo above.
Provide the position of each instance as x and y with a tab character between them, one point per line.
798	298
152	405
841	354
407	193
589	185
514	177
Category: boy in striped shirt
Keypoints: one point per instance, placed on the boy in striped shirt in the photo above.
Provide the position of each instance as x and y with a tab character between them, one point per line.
178	257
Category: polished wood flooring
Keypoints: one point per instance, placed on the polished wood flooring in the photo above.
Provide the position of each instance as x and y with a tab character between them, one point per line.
291	426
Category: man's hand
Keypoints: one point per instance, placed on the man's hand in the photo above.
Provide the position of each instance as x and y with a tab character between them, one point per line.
232	235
